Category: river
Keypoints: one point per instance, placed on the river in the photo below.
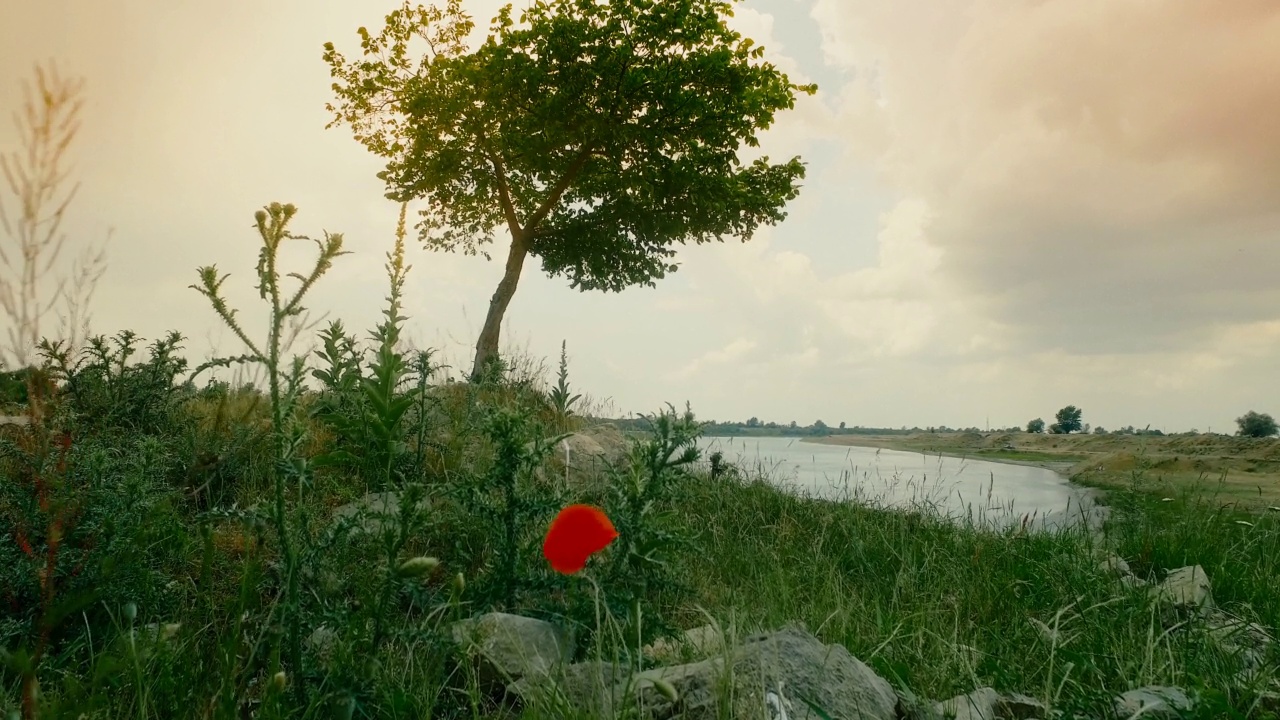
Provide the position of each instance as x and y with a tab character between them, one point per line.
992	494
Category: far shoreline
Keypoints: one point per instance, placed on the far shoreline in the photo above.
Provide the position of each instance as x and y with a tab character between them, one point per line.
1061	467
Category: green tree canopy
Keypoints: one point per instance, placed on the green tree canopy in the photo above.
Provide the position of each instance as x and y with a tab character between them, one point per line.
1035	426
1257	425
1068	420
599	134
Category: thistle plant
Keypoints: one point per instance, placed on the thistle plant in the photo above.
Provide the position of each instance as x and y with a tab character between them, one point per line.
642	507
284	389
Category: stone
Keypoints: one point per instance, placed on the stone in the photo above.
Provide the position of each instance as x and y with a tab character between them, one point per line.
1153	701
779	672
374	514
986	703
590	453
1185	588
510	647
694	644
795	666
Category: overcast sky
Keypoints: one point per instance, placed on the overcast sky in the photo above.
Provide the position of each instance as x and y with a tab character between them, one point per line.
1011	206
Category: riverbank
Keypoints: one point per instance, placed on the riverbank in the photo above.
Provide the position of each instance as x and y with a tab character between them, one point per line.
1238	472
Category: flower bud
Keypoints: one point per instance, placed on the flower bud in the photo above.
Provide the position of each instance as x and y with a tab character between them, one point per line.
279	680
417	567
459	583
666	689
131	611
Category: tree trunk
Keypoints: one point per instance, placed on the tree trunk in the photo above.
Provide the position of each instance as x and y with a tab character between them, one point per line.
487	345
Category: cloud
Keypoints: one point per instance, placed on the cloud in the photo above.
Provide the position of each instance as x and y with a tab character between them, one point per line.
1100	175
723	356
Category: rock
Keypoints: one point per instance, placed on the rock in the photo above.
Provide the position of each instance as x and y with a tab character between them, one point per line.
791	663
781	670
590	453
1186	588
987	704
594	688
695	644
1153	701
913	707
321	642
510	647
374	513
1115	565
1250	641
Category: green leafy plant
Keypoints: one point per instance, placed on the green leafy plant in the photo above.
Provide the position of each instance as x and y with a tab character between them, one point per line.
560	397
643	502
284	390
368	413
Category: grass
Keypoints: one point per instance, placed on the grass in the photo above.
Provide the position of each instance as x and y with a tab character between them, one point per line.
174	555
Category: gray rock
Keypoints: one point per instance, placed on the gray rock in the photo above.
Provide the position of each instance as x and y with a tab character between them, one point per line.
374	513
792	664
509	647
779	670
1186	588
1153	701
987	704
590	453
694	644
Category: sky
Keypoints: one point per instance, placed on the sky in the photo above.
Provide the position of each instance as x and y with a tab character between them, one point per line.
1010	206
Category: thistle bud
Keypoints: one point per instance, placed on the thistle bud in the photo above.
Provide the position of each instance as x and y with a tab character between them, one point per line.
459	583
279	680
130	611
666	689
417	567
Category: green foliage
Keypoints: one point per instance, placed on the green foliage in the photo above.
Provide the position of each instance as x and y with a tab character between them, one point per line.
643	504
513	508
561	400
368	413
103	395
89	525
582	125
1035	426
1068	421
1256	425
284	392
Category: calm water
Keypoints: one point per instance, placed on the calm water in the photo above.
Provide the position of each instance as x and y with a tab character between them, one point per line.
996	494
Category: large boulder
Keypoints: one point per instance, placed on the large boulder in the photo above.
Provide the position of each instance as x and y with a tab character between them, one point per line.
583	458
789	671
509	647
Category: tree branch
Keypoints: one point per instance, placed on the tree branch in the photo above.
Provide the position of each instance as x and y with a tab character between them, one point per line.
504	195
561	186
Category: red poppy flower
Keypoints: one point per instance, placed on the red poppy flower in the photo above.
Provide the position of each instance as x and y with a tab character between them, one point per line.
577	533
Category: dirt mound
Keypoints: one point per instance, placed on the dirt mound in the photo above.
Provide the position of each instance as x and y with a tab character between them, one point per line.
998	440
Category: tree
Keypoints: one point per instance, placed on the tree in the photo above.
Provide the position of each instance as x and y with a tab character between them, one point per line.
598	134
1035	426
1099	430
841	424
46	128
753	421
1254	425
1068	420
